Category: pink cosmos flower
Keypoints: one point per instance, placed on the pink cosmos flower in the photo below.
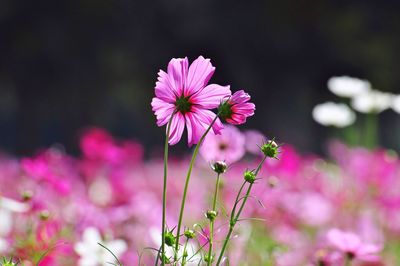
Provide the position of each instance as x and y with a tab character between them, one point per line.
352	246
184	90
237	108
228	147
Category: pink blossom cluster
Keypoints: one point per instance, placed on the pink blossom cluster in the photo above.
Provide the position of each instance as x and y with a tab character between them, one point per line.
310	211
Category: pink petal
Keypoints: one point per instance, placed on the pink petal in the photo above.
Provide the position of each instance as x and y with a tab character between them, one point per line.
205	117
246	109
193	133
240	97
197	123
200	72
177	126
162	110
335	237
164	89
177	72
352	241
369	249
211	96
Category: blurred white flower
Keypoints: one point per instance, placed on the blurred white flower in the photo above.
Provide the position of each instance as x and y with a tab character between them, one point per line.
333	114
7	207
92	254
396	103
373	101
13	205
345	86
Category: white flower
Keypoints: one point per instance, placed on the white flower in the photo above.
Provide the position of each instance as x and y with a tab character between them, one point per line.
372	102
7	208
345	86
396	103
92	254
333	114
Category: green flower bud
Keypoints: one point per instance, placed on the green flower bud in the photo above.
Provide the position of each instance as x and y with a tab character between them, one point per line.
211	215
44	215
208	259
27	195
270	149
249	176
219	167
190	234
169	239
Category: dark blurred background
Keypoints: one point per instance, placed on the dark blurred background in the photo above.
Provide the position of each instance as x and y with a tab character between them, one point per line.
68	64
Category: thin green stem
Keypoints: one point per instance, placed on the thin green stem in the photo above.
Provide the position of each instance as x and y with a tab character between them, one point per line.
165	190
196	151
184	252
233	222
212	220
371	130
237	200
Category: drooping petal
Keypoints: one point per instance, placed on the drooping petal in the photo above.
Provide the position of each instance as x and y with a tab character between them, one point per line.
244	108
177	126
162	110
239	108
200	72
177	73
236	119
211	96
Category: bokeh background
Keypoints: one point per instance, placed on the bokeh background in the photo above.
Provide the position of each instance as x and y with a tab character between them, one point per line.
68	64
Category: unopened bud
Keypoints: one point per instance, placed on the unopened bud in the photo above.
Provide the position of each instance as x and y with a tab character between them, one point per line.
44	215
270	149
249	176
189	234
219	167
27	195
209	259
211	215
169	239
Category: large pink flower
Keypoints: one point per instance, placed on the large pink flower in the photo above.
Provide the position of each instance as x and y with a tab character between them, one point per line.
183	89
237	108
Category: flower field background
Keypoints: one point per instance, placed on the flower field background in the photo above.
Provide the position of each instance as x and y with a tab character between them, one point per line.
305	210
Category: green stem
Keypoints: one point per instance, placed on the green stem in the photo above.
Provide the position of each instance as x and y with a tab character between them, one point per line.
371	130
233	222
196	151
184	251
212	220
165	190
348	261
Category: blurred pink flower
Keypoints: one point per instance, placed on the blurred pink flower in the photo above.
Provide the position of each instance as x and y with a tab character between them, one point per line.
254	140
237	108
99	145
228	147
352	246
183	89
